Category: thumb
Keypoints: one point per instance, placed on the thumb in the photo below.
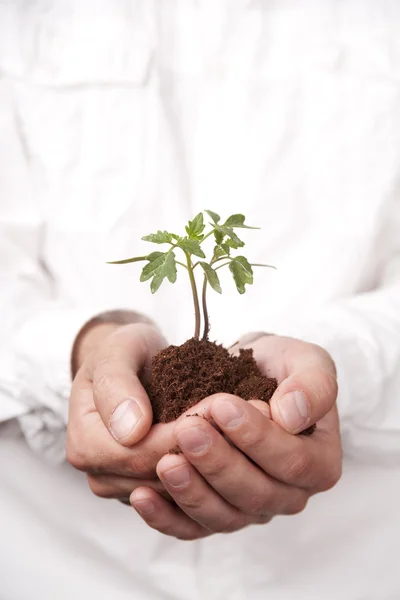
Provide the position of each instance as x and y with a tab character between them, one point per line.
303	398
118	393
306	375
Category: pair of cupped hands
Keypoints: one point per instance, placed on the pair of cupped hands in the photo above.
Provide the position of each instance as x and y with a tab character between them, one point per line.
247	469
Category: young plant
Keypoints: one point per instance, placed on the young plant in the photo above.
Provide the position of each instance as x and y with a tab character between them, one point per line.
163	265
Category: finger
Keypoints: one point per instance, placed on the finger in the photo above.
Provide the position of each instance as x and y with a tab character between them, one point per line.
230	473
307	381
196	498
118	394
161	515
303	399
202	409
262	406
312	463
114	486
90	448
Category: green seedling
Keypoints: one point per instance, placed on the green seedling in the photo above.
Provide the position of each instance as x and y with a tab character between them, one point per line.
164	265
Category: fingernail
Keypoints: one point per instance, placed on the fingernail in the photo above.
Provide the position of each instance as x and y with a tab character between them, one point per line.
144	507
193	440
124	418
228	413
178	476
294	410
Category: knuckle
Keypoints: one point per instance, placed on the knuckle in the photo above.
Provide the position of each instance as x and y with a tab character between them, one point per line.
331	477
258	504
297	506
191	503
164	529
103	382
297	467
233	524
263	519
83	456
252	439
141	464
324	356
214	468
98	488
75	456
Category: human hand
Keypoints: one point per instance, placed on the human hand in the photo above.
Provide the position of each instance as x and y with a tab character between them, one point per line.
110	412
253	467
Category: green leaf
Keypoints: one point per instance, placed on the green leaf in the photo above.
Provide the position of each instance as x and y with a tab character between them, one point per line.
154	255
219	236
231	244
219	252
212	277
162	265
126	260
242	273
161	237
234	241
221	232
196	227
237	221
215	217
191	246
198	224
226	248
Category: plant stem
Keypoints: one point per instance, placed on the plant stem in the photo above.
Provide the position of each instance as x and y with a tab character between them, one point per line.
181	264
195	297
215	260
205	311
208	235
220	266
261	265
206	330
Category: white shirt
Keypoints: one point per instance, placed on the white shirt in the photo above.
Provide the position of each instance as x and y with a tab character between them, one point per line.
119	118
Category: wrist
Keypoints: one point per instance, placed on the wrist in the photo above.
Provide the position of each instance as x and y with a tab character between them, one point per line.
96	330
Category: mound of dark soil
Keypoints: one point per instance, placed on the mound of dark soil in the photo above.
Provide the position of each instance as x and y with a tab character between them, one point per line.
184	375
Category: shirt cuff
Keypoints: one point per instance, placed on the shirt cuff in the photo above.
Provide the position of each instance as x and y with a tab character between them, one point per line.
35	378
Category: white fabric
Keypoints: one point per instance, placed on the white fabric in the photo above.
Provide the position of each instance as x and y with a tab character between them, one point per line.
118	118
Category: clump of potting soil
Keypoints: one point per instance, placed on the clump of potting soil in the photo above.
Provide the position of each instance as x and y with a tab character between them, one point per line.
184	375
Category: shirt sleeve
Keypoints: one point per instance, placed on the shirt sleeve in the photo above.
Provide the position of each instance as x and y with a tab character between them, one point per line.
362	333
37	329
36	341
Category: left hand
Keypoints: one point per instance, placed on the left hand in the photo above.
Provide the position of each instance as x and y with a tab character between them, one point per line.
255	467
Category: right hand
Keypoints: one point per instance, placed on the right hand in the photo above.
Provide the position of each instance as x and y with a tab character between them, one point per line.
109	434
